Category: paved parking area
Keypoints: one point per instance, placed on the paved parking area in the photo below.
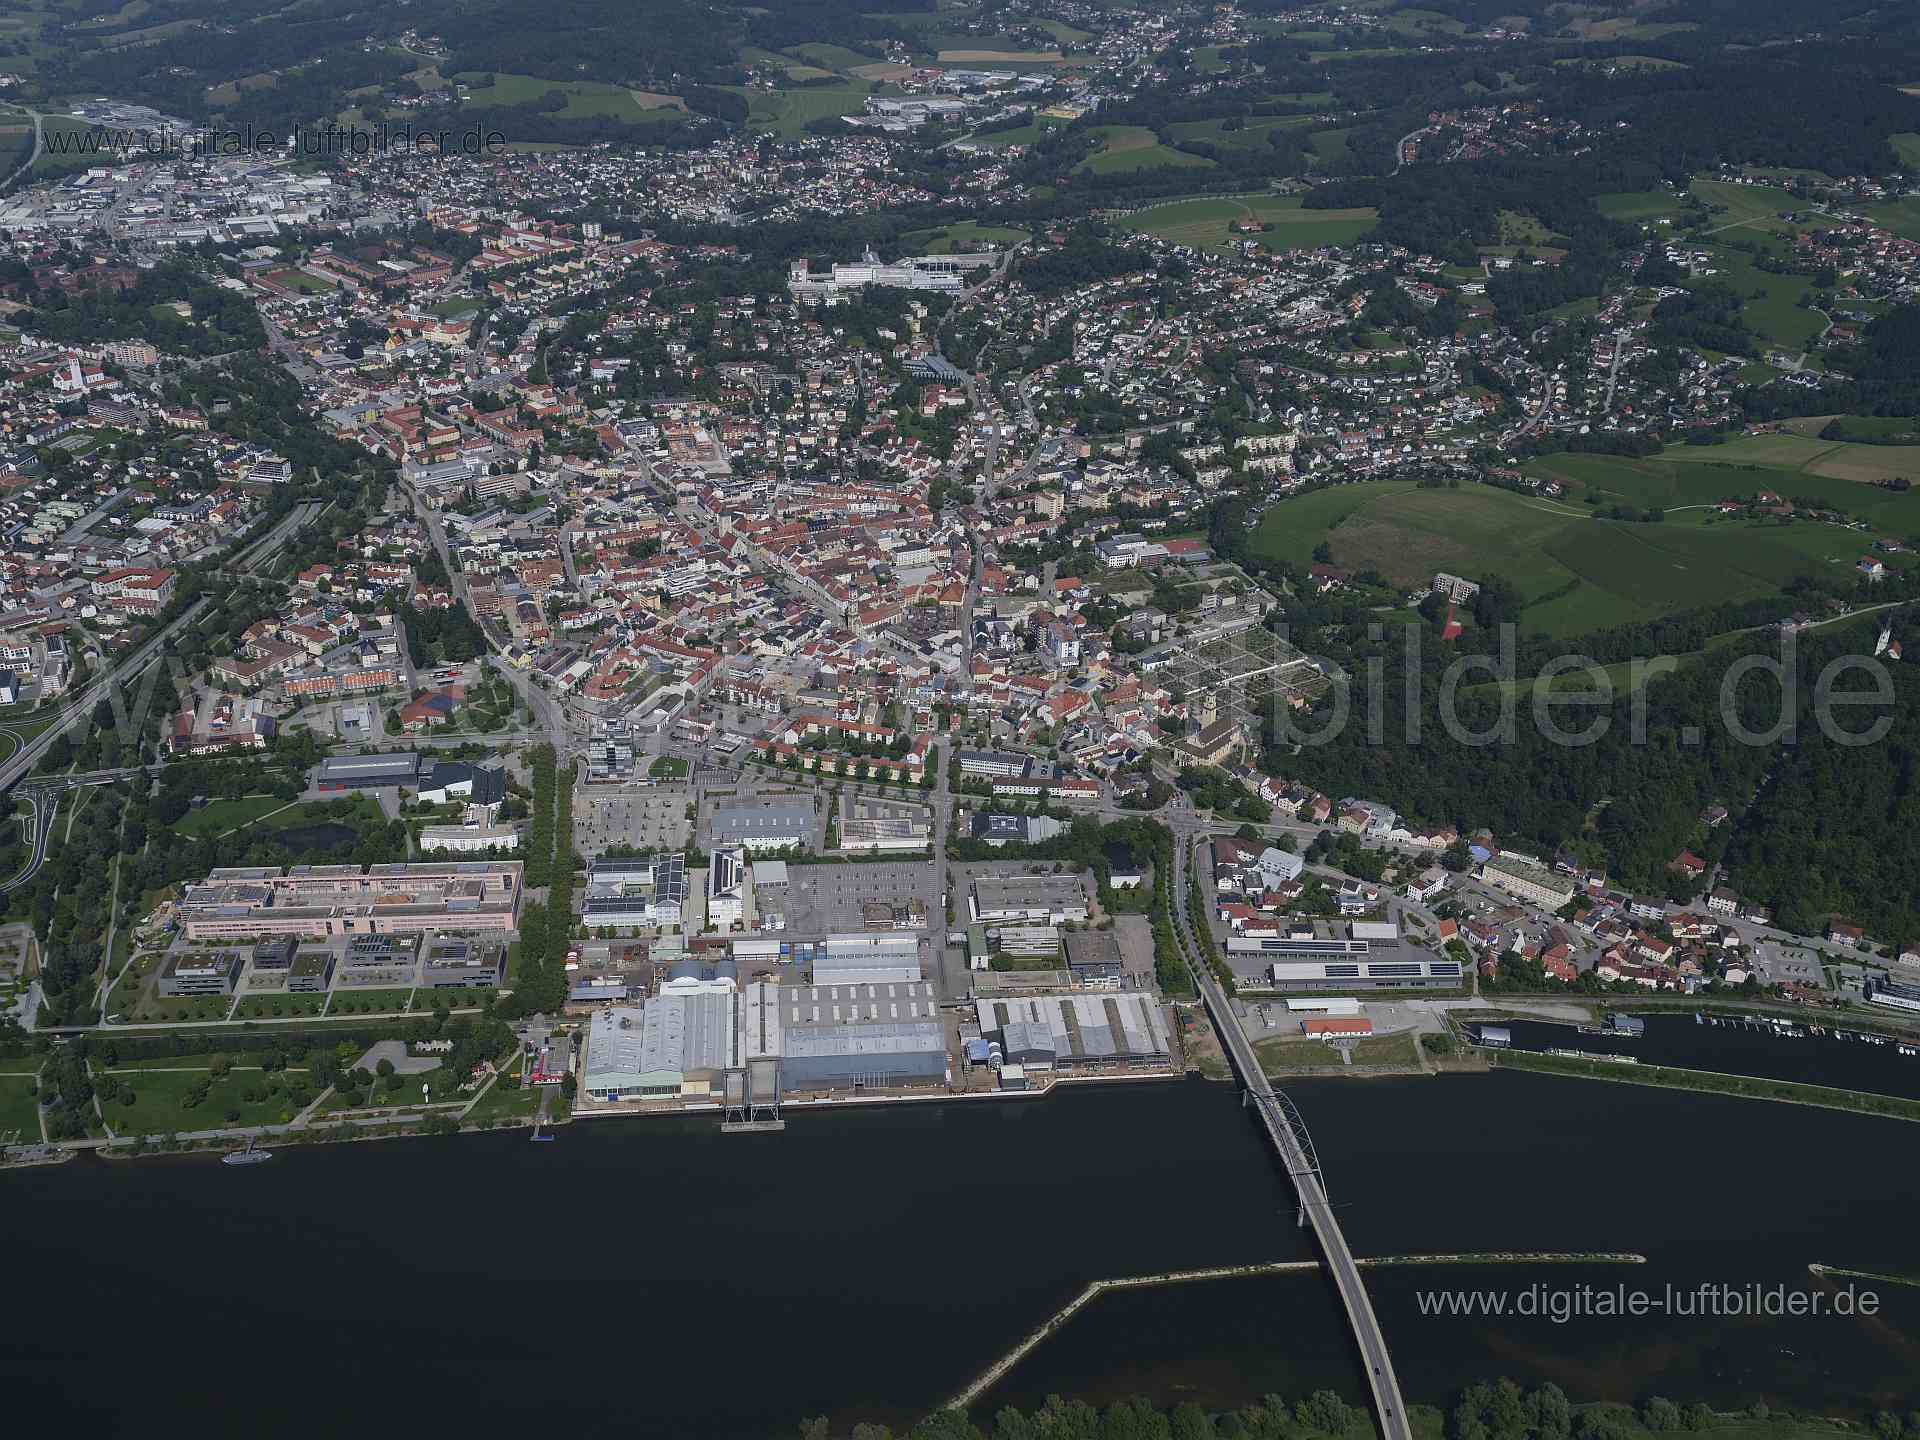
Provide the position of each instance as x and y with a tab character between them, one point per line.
647	817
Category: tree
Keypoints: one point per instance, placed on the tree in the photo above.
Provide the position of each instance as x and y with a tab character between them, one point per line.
1660	1413
1324	1411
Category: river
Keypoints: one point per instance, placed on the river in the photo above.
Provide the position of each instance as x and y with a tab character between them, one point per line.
649	1278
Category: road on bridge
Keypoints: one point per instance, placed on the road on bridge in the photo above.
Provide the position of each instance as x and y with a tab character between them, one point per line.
1289	1136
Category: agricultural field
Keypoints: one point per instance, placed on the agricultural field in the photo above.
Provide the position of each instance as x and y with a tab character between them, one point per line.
1063	32
788	112
1003	59
1700	476
1577	573
832	57
1812	456
1330	145
1775	316
1638	206
1755	206
1133	147
1029	134
1204	224
1881	429
1424	23
585	98
1900	216
1255	133
1907	147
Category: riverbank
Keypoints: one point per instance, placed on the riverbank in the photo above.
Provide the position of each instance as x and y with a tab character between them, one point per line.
1711	1082
416	1124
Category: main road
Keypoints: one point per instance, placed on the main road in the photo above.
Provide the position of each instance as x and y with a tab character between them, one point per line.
22	761
1289	1135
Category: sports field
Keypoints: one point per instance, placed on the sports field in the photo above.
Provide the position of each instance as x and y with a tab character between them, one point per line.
1204	224
1574	572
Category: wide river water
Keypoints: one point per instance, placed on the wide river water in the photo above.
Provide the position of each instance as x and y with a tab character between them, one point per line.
655	1278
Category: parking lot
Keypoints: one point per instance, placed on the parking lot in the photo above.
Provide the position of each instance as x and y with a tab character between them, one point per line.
647	817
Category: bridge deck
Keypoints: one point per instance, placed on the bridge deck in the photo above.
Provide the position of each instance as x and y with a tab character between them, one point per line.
1305	1171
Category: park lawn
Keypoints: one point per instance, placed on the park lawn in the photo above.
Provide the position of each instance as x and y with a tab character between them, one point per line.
369	1002
458	305
159	1102
157	1008
965	234
1133	147
19	1106
219	816
501	1102
122	998
667	767
271	1004
461	997
314	812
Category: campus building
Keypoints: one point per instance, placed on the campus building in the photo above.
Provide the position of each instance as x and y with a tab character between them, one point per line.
254	902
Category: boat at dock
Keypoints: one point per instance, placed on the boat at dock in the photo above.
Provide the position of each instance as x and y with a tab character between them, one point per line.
248	1156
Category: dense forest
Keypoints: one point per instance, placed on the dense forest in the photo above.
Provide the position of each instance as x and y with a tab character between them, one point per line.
1632	797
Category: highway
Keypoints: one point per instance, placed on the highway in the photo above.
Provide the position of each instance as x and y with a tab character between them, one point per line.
1289	1135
